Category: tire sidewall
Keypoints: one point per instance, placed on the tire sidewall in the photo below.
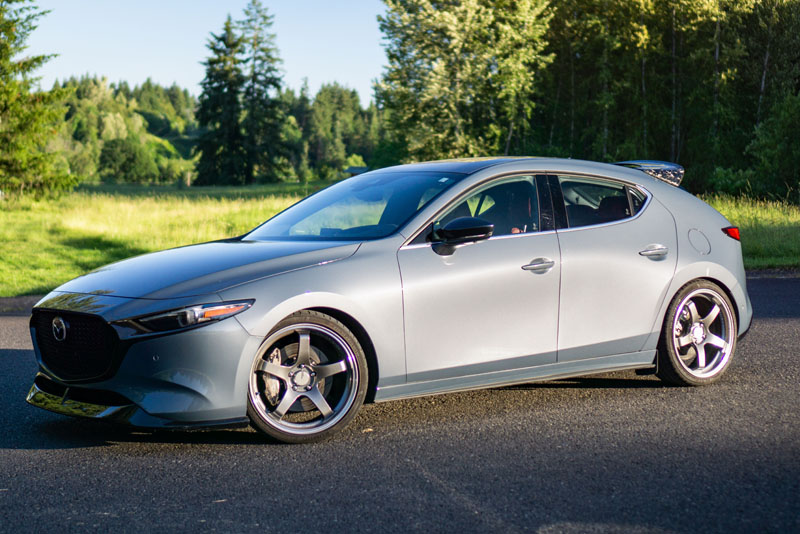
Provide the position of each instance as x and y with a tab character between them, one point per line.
324	320
671	368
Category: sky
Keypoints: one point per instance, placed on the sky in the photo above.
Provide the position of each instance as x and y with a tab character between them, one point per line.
321	40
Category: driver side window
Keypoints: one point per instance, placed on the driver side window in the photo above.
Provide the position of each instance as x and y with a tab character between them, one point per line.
511	205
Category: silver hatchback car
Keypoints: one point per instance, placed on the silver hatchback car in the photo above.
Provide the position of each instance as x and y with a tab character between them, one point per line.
407	281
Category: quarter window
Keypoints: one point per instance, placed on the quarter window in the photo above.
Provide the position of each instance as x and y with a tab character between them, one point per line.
637	200
591	201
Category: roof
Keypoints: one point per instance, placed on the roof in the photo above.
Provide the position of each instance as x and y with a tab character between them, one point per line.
465	165
631	172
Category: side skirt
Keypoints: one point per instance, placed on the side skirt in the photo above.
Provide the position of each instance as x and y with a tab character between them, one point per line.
619	362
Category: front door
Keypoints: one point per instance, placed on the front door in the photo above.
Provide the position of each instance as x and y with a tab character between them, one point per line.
491	305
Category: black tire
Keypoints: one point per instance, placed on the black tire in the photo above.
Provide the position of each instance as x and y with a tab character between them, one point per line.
308	379
699	335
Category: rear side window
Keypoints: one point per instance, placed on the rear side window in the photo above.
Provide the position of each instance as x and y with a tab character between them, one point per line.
590	201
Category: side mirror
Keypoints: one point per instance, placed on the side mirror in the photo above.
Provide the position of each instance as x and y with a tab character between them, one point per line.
460	232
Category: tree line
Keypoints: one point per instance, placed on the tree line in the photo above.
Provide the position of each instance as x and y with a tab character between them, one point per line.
711	84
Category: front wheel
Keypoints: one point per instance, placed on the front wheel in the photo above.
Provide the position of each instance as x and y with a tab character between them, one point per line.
308	379
699	335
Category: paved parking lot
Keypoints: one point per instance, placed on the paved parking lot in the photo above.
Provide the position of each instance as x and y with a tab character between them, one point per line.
609	453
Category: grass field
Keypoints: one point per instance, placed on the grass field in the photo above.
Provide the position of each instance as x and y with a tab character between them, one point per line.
48	242
770	230
45	243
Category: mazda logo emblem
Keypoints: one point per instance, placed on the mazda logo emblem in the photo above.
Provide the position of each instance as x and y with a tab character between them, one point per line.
59	329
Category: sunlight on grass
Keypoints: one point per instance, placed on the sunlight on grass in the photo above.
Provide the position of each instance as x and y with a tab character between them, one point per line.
770	230
48	242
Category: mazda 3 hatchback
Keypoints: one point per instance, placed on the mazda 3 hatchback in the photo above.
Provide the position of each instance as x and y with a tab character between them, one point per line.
413	280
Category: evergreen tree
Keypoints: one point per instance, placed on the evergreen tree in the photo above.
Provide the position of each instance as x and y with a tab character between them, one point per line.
337	129
263	118
221	146
28	116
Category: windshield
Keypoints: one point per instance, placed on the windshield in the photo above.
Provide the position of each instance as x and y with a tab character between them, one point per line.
368	206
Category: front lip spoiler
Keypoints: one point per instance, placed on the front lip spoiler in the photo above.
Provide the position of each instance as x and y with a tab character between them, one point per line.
66	406
127	414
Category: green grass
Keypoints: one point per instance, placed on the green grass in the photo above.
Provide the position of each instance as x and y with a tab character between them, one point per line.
770	230
45	243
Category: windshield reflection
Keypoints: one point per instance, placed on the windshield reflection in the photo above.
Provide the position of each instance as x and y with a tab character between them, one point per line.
369	206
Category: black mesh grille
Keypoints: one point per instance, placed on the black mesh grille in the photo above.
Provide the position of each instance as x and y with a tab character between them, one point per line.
86	351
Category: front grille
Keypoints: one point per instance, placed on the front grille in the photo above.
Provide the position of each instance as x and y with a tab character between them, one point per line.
86	351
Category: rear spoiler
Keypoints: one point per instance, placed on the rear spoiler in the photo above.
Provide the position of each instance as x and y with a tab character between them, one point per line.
672	173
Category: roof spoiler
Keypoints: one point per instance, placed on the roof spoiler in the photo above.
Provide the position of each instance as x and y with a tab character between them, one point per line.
672	173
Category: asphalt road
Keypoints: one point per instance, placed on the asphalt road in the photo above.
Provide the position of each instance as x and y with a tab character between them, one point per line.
610	453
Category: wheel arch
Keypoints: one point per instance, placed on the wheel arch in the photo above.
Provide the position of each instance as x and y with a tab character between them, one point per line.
712	272
366	343
724	287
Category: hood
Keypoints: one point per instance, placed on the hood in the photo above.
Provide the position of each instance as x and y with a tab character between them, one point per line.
205	268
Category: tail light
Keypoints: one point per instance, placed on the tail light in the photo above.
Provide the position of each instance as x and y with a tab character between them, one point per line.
731	231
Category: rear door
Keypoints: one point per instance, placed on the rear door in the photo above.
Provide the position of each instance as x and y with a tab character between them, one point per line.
619	251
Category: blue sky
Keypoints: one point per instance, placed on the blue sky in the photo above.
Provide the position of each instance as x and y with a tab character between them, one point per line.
321	40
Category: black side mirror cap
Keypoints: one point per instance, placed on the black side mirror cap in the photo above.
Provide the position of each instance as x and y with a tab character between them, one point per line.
462	231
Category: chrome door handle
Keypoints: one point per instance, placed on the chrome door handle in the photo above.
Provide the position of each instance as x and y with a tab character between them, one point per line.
654	251
539	265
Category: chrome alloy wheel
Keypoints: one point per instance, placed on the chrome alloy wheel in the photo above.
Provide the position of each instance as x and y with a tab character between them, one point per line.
304	379
703	333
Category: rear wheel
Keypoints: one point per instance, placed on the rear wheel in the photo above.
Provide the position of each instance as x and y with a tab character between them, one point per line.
308	379
699	335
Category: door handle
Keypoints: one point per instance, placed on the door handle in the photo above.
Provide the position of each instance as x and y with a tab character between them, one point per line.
654	251
539	265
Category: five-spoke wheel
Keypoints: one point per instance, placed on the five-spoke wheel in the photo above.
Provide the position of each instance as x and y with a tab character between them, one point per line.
699	335
308	379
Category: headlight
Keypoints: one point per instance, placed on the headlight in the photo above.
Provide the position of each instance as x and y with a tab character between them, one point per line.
185	317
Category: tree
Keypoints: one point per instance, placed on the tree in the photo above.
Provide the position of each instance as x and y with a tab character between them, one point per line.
777	153
263	119
461	75
126	160
221	146
28	117
337	129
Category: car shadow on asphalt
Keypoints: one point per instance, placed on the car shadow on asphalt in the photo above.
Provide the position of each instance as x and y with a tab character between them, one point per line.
33	429
50	433
630	381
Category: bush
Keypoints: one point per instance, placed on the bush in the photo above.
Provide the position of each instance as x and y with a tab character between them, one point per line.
731	181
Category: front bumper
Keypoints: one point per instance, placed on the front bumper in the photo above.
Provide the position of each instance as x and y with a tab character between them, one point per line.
44	396
51	396
196	377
